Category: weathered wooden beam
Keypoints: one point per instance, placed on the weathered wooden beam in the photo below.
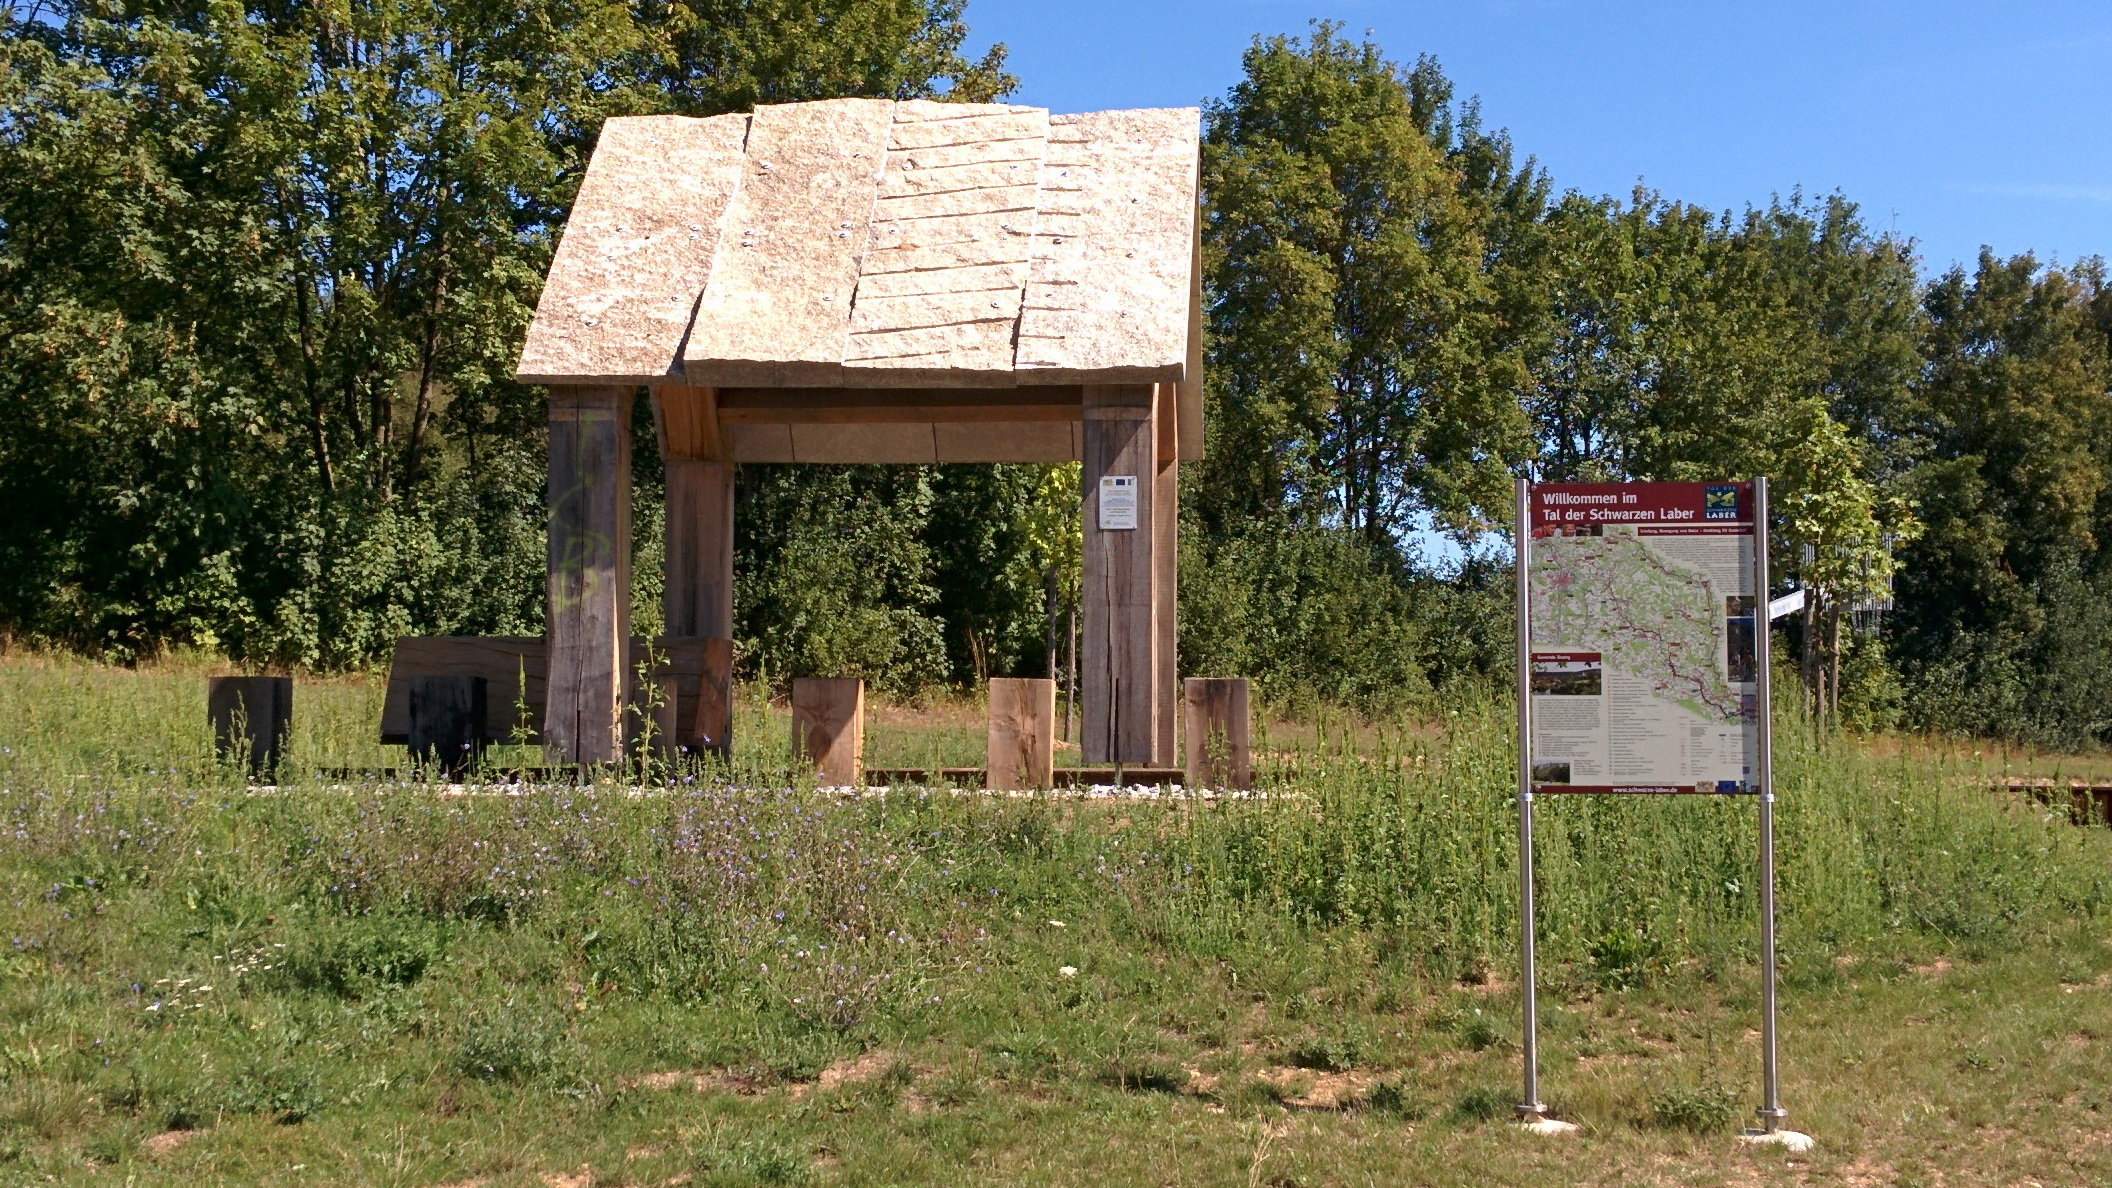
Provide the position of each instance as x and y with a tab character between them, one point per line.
252	718
697	593
588	609
1022	733
828	727
513	669
687	419
1191	386
885	406
1119	670
1166	528
711	725
1219	753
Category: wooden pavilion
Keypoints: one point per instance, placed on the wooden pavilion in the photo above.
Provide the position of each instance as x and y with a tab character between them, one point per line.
859	280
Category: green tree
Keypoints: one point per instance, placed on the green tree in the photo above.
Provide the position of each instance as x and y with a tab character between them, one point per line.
2011	435
264	272
1362	371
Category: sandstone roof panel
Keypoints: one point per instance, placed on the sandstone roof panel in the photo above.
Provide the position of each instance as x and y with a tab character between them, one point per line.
957	327
878	244
1107	299
787	266
956	241
636	251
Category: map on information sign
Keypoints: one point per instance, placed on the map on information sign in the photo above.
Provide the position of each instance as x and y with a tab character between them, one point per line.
1641	608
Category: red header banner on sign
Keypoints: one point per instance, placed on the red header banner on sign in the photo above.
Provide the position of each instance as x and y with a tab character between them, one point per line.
1642	628
1562	509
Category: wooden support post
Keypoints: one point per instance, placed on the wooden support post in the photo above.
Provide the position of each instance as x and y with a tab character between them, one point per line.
251	717
588	615
1120	669
447	722
712	728
1166	531
698	595
828	727
1022	738
1218	748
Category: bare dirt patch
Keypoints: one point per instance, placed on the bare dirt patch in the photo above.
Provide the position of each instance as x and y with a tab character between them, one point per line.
718	1080
1309	1090
855	1071
167	1141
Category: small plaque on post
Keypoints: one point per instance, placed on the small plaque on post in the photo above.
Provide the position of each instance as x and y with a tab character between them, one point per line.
1118	503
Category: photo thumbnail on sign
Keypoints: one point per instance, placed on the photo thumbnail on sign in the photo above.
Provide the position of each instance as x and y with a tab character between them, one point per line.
1641	622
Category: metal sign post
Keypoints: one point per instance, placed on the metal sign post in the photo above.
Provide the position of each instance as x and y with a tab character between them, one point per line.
1771	1111
1531	1109
1641	580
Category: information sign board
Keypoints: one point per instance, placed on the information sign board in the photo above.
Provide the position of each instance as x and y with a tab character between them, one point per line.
1118	503
1643	667
1641	627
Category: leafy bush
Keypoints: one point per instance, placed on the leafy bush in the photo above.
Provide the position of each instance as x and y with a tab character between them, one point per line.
1703	1109
517	1044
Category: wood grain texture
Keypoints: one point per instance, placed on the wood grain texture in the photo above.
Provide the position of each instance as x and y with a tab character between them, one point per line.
1166	527
252	717
697	586
1190	396
1118	672
1219	754
760	443
711	722
964	178
1022	733
447	721
1007	442
872	406
828	727
1108	295
589	584
864	443
636	251
513	668
778	304
687	420
1048	441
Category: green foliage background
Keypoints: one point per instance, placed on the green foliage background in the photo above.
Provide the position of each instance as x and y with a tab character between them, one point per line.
264	270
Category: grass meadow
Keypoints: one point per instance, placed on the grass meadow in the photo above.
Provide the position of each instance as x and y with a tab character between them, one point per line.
718	976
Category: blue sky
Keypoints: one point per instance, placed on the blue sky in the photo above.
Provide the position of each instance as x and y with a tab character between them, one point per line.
1957	124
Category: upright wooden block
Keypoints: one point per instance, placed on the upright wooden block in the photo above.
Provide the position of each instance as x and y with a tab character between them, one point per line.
697	598
251	716
589	607
1218	749
1022	739
1120	672
828	727
447	722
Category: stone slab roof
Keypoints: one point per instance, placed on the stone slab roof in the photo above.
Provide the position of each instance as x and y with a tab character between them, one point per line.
871	243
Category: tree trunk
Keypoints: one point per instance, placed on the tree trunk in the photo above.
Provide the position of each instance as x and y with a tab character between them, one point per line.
1808	660
1833	661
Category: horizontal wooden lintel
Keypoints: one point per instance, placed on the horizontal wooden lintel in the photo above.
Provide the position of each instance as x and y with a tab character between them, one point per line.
893	406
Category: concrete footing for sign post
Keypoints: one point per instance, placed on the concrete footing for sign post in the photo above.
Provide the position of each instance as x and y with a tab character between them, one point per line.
1542	1124
1793	1141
